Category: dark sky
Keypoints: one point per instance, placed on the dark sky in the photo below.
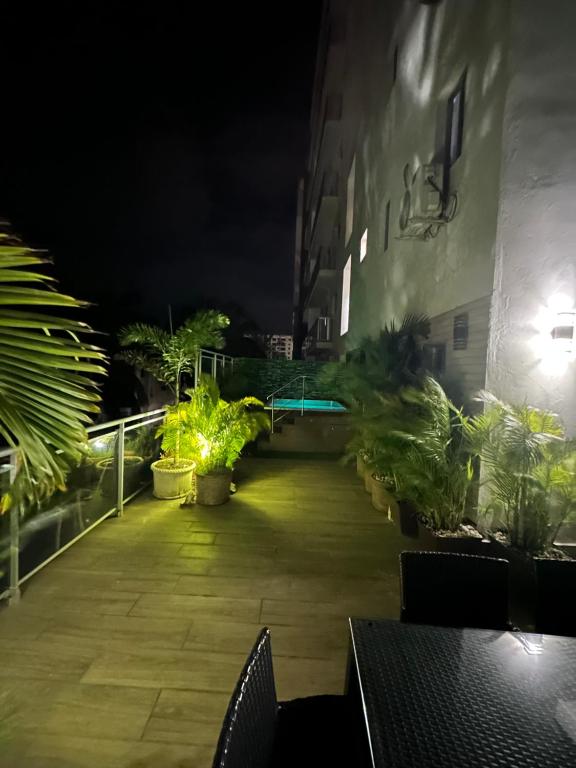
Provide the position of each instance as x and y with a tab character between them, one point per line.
156	154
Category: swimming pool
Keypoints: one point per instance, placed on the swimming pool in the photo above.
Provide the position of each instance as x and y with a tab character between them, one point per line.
289	404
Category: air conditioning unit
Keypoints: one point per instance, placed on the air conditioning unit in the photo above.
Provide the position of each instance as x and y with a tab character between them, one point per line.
425	208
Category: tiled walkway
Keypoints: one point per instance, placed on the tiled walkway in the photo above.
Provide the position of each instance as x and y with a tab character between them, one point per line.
124	651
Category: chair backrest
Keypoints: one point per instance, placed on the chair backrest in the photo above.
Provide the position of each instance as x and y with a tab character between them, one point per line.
454	590
555	597
249	727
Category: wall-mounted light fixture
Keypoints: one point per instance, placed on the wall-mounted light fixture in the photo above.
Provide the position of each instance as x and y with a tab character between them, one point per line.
554	342
563	332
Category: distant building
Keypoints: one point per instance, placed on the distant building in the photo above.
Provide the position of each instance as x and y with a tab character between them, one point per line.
279	345
274	345
441	179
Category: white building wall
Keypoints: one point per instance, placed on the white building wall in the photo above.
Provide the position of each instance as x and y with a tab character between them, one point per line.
536	246
388	125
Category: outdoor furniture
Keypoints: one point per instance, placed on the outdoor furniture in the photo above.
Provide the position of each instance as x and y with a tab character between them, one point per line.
441	696
454	590
260	732
555	596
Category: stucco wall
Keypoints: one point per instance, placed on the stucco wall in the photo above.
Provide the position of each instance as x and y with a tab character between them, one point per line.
390	124
536	247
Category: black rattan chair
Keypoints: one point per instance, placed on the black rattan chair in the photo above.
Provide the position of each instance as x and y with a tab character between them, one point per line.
249	729
555	602
454	590
260	732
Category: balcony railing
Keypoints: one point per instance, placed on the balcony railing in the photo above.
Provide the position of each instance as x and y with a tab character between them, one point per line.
115	468
320	334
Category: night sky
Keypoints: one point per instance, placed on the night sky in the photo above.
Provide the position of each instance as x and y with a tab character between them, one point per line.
156	155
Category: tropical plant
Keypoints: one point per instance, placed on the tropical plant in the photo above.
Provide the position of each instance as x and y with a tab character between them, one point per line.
168	356
47	393
419	442
210	431
529	470
384	364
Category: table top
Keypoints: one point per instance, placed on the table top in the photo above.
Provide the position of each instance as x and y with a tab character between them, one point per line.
435	696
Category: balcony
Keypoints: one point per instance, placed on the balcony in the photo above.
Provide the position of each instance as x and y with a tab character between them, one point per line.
320	279
324	212
125	650
320	337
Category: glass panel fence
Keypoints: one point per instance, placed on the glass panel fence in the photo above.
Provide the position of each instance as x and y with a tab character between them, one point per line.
90	495
5	467
141	448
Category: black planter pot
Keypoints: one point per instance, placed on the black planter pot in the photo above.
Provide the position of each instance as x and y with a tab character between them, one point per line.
522	580
464	545
406	519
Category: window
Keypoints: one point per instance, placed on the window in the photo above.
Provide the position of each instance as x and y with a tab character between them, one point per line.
395	64
435	358
364	245
345	313
350	200
387	226
455	123
460	332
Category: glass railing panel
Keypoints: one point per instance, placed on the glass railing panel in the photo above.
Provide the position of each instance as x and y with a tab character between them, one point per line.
141	448
89	496
5	467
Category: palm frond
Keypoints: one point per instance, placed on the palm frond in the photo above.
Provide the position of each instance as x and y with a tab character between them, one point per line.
47	393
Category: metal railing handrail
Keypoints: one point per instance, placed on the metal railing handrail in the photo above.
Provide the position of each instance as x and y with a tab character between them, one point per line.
125	420
301	376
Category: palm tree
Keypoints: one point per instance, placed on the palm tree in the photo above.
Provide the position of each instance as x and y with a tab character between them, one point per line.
418	439
529	470
169	356
47	393
213	432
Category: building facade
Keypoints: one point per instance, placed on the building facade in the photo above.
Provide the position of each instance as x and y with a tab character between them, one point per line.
441	180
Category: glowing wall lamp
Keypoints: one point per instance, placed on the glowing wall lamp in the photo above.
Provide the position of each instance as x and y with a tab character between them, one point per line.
563	332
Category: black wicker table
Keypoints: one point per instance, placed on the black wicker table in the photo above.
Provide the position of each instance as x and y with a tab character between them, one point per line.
433	696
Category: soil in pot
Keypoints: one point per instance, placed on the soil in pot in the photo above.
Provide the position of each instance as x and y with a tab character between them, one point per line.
383	499
213	489
467	540
172	480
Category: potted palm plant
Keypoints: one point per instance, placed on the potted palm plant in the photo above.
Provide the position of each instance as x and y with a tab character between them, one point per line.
529	481
46	375
213	433
169	357
424	440
380	366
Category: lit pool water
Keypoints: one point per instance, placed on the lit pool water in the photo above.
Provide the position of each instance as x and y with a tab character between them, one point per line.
289	404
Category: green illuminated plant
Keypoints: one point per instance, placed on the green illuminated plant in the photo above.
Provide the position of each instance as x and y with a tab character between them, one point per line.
418	441
47	393
169	356
210	431
529	470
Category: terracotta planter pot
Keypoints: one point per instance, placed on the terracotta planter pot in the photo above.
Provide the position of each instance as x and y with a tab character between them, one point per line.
383	500
213	489
460	544
170	482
